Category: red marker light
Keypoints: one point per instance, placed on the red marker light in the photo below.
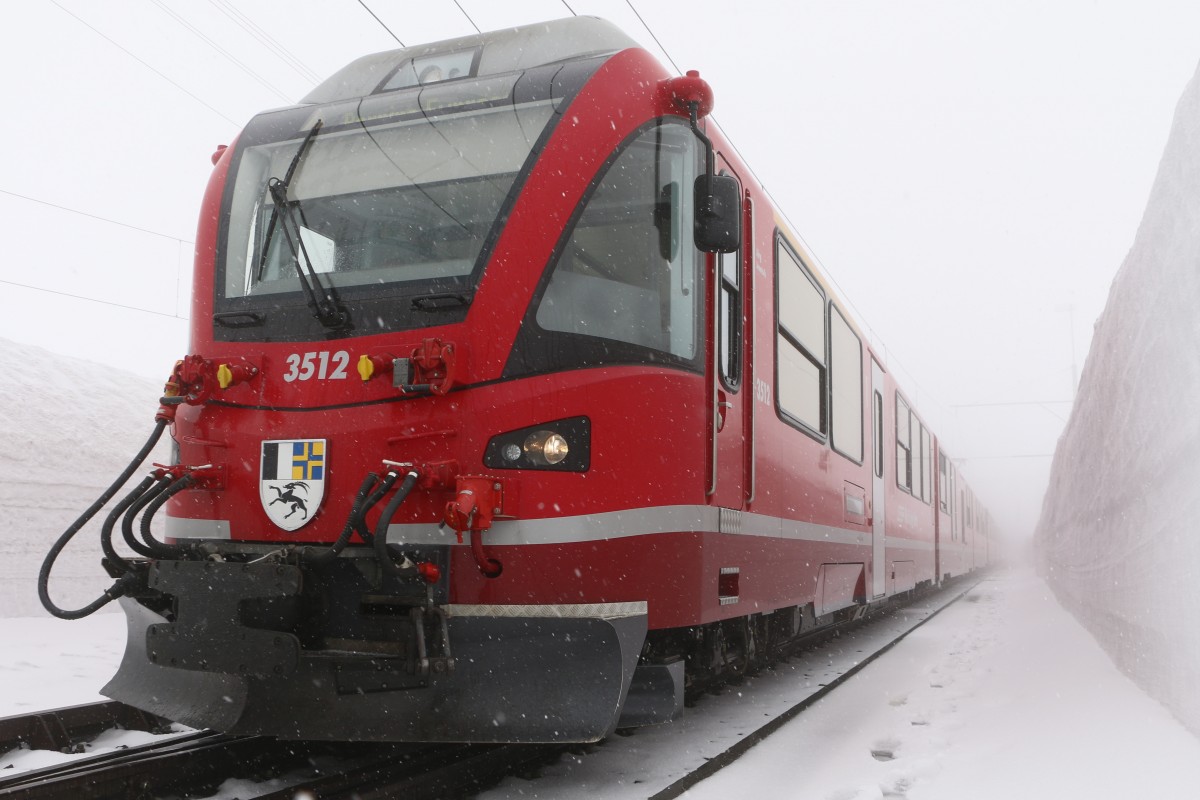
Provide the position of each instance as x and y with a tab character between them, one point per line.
429	572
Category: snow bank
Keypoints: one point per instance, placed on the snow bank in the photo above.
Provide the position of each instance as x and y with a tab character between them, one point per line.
68	428
1119	536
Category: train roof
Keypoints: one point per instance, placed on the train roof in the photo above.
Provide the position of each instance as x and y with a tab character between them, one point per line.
494	53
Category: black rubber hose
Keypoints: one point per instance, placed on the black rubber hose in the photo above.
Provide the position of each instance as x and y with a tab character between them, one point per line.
106	532
162	549
319	558
360	524
123	584
138	546
385	558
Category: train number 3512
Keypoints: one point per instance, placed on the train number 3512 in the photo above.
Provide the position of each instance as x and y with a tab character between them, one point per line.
317	365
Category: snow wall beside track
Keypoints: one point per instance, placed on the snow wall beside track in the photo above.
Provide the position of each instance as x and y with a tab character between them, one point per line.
1119	535
68	428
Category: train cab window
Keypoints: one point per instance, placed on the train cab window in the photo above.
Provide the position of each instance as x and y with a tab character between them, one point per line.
943	482
963	499
926	466
800	343
878	435
845	379
904	455
628	271
729	317
955	522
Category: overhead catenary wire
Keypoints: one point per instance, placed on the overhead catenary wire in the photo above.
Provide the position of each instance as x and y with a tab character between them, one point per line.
141	61
70	210
381	23
179	241
629	3
87	299
199	34
468	16
267	40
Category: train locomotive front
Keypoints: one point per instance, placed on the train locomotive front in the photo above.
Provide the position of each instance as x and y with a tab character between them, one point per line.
448	362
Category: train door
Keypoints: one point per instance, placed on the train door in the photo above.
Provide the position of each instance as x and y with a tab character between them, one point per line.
730	403
878	484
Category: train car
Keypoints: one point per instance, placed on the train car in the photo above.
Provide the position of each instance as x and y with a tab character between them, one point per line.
513	411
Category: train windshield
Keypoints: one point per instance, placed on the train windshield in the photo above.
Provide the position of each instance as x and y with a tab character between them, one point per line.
366	210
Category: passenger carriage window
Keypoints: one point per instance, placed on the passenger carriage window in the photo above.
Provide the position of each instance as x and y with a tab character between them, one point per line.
904	459
845	378
966	515
926	466
878	434
955	523
729	319
942	481
800	343
628	272
918	488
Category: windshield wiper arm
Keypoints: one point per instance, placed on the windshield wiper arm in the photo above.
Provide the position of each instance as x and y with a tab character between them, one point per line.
287	181
321	299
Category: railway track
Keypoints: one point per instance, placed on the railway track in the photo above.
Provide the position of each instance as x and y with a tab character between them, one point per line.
194	764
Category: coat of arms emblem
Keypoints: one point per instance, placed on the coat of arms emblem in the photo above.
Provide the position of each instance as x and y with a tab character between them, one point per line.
292	480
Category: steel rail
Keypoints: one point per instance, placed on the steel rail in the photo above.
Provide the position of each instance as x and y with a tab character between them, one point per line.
65	729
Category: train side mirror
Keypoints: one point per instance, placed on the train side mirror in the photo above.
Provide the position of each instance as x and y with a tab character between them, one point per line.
718	223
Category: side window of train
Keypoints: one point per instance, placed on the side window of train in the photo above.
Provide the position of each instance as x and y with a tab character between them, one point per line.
628	272
954	521
904	459
878	434
926	464
845	379
799	343
943	483
729	317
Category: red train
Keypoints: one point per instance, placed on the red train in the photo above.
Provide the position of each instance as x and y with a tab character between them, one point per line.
513	409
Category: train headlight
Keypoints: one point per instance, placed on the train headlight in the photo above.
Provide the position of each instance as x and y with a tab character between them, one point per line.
563	445
546	447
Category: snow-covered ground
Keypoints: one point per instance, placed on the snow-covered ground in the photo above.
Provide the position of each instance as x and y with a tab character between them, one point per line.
1003	695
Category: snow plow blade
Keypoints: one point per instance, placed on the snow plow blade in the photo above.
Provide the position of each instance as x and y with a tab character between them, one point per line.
521	674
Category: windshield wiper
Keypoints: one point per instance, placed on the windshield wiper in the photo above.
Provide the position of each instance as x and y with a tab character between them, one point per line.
321	299
287	181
